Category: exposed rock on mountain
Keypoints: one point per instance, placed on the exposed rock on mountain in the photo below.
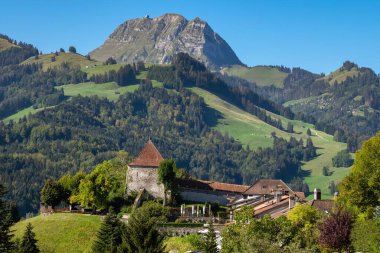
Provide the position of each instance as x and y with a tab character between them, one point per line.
157	40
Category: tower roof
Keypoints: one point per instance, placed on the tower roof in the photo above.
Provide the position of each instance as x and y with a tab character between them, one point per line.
148	157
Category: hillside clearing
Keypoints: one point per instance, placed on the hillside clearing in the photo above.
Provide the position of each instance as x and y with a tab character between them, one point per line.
111	90
250	130
261	75
47	62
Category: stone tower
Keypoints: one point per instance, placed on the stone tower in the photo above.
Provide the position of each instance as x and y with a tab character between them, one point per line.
143	172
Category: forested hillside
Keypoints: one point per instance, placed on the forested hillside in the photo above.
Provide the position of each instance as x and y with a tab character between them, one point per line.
85	131
344	103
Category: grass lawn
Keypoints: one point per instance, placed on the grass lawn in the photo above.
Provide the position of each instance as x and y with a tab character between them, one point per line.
181	244
250	130
62	232
261	75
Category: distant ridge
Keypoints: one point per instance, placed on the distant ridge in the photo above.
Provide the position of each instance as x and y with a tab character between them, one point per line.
157	40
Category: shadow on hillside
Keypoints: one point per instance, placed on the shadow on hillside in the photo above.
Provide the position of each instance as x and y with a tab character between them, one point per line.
212	116
305	173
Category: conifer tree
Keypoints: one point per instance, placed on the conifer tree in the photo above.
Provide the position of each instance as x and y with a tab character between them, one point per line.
141	235
109	235
209	241
5	223
29	242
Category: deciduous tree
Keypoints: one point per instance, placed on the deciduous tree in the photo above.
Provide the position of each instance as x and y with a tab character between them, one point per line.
335	230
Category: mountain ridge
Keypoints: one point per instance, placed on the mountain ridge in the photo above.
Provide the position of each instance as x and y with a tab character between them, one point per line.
157	40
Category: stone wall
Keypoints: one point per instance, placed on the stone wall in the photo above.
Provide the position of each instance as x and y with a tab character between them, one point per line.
183	231
147	178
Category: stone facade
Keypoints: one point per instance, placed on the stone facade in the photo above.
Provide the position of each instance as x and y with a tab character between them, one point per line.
144	178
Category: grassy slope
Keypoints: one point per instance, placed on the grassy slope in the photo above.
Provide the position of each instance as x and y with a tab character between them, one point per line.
45	59
261	75
251	131
76	233
340	75
109	90
21	114
4	44
62	232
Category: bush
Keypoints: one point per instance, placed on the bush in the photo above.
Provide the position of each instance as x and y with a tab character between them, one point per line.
365	236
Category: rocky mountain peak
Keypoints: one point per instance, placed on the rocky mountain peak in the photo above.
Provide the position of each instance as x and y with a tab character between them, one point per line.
157	40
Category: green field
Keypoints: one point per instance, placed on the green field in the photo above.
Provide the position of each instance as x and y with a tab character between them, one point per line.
250	130
46	60
100	69
22	113
261	75
108	90
111	90
62	232
66	232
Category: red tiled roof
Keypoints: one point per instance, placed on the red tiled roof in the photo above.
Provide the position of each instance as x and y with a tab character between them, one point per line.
229	187
211	186
148	157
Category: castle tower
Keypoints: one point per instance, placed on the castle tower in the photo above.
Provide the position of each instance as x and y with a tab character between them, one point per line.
143	172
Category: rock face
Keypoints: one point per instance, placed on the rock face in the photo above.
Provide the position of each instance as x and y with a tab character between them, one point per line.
157	40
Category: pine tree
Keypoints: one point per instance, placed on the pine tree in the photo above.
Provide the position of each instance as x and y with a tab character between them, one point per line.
6	244
141	235
209	241
28	243
109	235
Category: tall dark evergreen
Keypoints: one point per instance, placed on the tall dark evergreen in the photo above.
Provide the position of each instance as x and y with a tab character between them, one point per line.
29	242
141	235
109	236
6	244
209	244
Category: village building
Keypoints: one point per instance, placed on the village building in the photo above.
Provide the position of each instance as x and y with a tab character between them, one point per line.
265	196
142	175
323	205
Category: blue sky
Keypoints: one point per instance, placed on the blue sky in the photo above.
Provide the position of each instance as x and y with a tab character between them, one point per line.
315	35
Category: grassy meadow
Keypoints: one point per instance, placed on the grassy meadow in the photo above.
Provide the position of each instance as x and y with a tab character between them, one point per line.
46	60
62	232
67	232
250	130
261	75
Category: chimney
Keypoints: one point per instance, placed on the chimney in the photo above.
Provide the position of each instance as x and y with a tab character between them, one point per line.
317	194
292	201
